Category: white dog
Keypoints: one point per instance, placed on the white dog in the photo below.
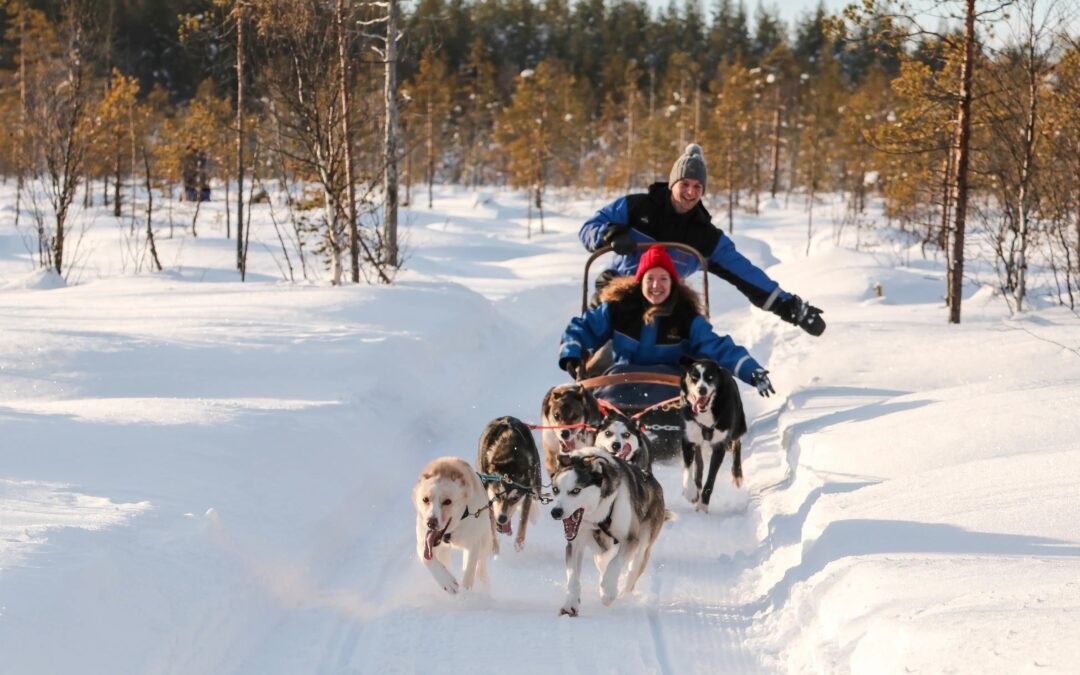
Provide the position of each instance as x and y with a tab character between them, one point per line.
606	503
452	512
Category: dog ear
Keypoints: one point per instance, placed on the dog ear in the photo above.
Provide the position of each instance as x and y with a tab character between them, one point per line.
545	405
686	361
595	468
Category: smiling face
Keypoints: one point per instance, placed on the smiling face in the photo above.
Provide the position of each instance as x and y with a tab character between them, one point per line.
656	285
686	194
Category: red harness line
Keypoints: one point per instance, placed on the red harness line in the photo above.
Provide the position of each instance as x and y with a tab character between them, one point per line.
605	407
581	425
608	405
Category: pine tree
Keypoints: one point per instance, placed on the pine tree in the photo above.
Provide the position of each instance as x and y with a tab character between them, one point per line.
540	130
431	92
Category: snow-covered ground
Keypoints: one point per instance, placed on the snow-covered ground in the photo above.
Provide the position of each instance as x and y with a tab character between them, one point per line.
199	475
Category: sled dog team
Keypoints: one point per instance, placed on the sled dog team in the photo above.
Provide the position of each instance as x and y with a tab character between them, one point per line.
602	487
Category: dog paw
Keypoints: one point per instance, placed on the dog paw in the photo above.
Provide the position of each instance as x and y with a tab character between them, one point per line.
692	494
451	587
702	506
519	545
608	598
568	611
737	481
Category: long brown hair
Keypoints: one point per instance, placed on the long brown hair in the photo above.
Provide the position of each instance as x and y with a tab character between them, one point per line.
624	288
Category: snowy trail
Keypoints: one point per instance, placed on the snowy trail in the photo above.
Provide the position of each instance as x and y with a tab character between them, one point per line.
202	476
289	555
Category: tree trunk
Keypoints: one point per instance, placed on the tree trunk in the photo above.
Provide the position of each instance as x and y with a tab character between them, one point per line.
240	139
390	182
963	159
134	156
755	169
150	213
946	202
116	186
430	150
730	166
346	129
20	155
776	146
1026	174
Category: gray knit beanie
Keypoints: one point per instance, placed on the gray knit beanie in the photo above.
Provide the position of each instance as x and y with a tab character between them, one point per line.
690	165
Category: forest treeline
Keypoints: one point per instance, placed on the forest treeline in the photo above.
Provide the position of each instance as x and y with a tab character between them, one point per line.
351	107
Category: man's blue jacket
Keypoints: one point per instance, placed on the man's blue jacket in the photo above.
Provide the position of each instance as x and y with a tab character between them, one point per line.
652	218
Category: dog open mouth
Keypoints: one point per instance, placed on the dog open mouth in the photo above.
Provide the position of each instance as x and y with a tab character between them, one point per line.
434	537
702	403
571	524
568	445
503	527
623	452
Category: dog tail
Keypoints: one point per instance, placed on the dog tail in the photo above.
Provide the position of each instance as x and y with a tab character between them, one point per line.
670	515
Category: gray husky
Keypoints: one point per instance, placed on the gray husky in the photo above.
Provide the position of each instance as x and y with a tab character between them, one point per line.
507	449
611	504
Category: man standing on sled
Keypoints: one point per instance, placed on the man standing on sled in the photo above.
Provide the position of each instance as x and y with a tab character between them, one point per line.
673	212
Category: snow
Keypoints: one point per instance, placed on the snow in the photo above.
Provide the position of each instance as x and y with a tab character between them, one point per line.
199	475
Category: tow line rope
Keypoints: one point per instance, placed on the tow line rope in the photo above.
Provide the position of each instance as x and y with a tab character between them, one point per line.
581	425
542	497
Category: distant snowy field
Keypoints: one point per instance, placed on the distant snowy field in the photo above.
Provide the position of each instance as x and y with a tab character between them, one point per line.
199	475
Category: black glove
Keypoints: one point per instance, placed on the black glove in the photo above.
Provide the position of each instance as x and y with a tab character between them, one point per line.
572	366
801	313
618	238
760	379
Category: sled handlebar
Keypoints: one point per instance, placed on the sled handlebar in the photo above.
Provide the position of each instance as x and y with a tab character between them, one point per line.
666	244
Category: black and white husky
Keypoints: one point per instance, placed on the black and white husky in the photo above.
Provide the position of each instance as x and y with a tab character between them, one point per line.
609	504
507	449
715	423
622	437
571	413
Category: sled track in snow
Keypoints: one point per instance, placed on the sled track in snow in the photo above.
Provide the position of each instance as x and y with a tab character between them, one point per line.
697	622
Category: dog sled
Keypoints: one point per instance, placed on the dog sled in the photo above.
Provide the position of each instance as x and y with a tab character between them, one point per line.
647	394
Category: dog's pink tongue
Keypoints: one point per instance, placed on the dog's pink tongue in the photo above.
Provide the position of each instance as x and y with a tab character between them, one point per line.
432	540
504	528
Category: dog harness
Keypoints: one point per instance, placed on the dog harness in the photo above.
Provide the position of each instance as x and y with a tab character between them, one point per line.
464	516
605	524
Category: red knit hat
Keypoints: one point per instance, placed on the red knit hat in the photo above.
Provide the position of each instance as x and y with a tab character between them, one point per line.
656	256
